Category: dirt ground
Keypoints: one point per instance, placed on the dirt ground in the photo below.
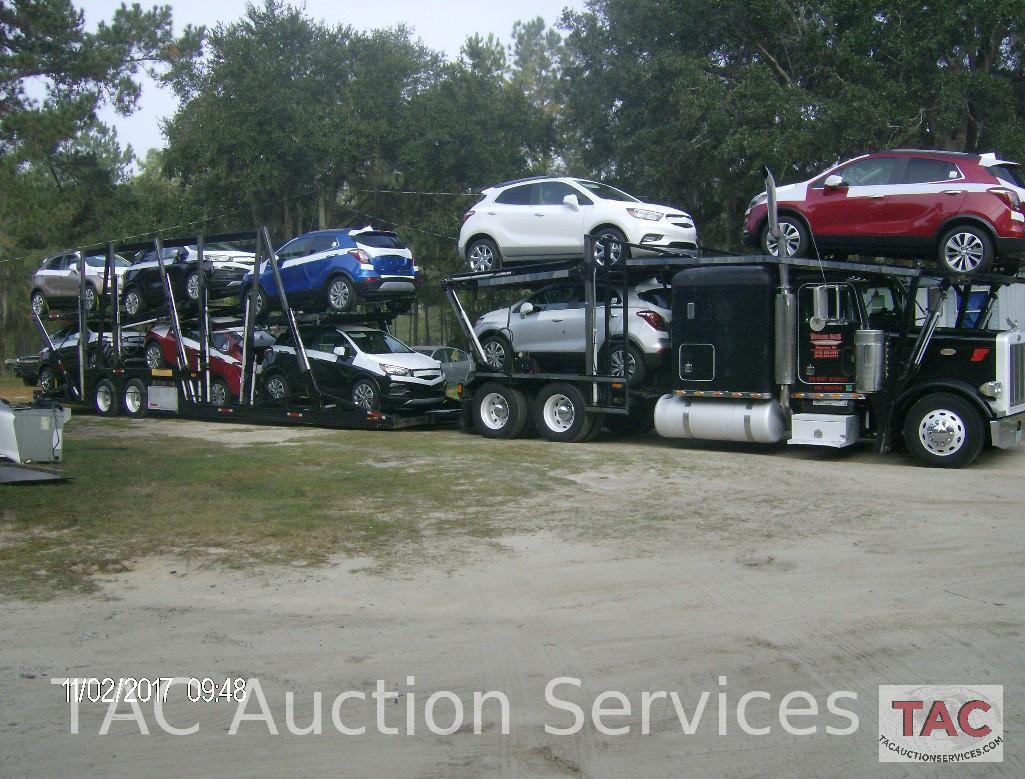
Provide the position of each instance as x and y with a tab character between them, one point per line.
642	566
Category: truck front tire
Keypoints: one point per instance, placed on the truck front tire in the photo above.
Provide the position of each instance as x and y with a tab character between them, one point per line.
944	431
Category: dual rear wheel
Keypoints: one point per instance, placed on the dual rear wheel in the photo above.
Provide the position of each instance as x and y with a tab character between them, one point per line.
558	412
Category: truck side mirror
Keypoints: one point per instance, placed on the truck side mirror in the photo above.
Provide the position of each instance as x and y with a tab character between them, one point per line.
827	306
528	307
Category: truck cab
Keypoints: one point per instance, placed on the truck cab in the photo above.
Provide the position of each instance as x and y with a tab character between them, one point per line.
830	354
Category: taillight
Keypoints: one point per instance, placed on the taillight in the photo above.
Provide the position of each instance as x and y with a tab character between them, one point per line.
1009	196
466	216
360	255
654	319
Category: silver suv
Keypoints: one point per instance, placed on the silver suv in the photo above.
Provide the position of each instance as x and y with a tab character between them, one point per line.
549	325
57	280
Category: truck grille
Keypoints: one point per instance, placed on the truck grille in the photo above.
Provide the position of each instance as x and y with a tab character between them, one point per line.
1017	377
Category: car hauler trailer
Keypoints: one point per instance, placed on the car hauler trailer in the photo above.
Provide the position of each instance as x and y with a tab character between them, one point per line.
767	349
114	383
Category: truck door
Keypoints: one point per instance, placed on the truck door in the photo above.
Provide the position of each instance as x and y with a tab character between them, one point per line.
828	317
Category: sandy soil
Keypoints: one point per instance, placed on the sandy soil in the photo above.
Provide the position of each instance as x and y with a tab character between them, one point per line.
780	571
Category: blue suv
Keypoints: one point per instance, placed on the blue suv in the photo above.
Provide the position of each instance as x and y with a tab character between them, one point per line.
336	269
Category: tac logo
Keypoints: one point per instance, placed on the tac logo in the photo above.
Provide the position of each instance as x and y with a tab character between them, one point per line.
941	723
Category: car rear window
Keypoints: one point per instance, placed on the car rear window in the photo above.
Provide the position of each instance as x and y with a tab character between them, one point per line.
516	196
657	297
1009	174
924	171
379	240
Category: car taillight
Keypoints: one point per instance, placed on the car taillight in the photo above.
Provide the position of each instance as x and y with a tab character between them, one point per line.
360	255
1009	196
466	216
654	319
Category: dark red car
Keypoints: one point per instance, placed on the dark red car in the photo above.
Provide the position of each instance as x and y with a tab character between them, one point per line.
963	210
225	357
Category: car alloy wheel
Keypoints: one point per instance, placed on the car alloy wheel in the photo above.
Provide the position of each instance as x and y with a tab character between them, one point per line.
277	387
494	354
340	294
38	303
90	298
616	249
964	252
133	303
47	379
192	286
154	355
791	235
364	395
481	258
218	393
616	363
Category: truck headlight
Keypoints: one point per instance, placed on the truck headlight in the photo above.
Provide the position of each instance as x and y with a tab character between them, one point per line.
395	370
991	389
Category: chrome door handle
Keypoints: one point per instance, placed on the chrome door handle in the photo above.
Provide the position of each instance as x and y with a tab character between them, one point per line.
556	320
877	197
953	192
537	214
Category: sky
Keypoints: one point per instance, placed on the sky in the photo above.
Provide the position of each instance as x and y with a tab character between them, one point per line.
442	25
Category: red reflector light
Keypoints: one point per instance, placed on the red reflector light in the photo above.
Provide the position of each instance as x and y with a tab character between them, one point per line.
980	354
654	319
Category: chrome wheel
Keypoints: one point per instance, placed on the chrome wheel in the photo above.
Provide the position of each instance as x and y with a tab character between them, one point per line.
339	295
559	413
133	399
192	286
38	303
154	356
942	432
90	298
364	396
481	258
791	240
964	252
494	411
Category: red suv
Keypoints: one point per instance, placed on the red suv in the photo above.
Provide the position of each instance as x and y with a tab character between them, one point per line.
965	210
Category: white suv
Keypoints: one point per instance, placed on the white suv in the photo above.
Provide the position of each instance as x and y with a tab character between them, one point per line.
546	217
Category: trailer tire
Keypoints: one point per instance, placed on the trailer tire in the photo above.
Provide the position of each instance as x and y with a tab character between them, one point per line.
560	414
500	411
133	399
105	398
945	431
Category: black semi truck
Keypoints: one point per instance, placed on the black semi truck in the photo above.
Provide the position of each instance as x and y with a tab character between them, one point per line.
767	349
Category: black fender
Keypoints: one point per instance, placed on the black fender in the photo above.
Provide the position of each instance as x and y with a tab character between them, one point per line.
910	396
